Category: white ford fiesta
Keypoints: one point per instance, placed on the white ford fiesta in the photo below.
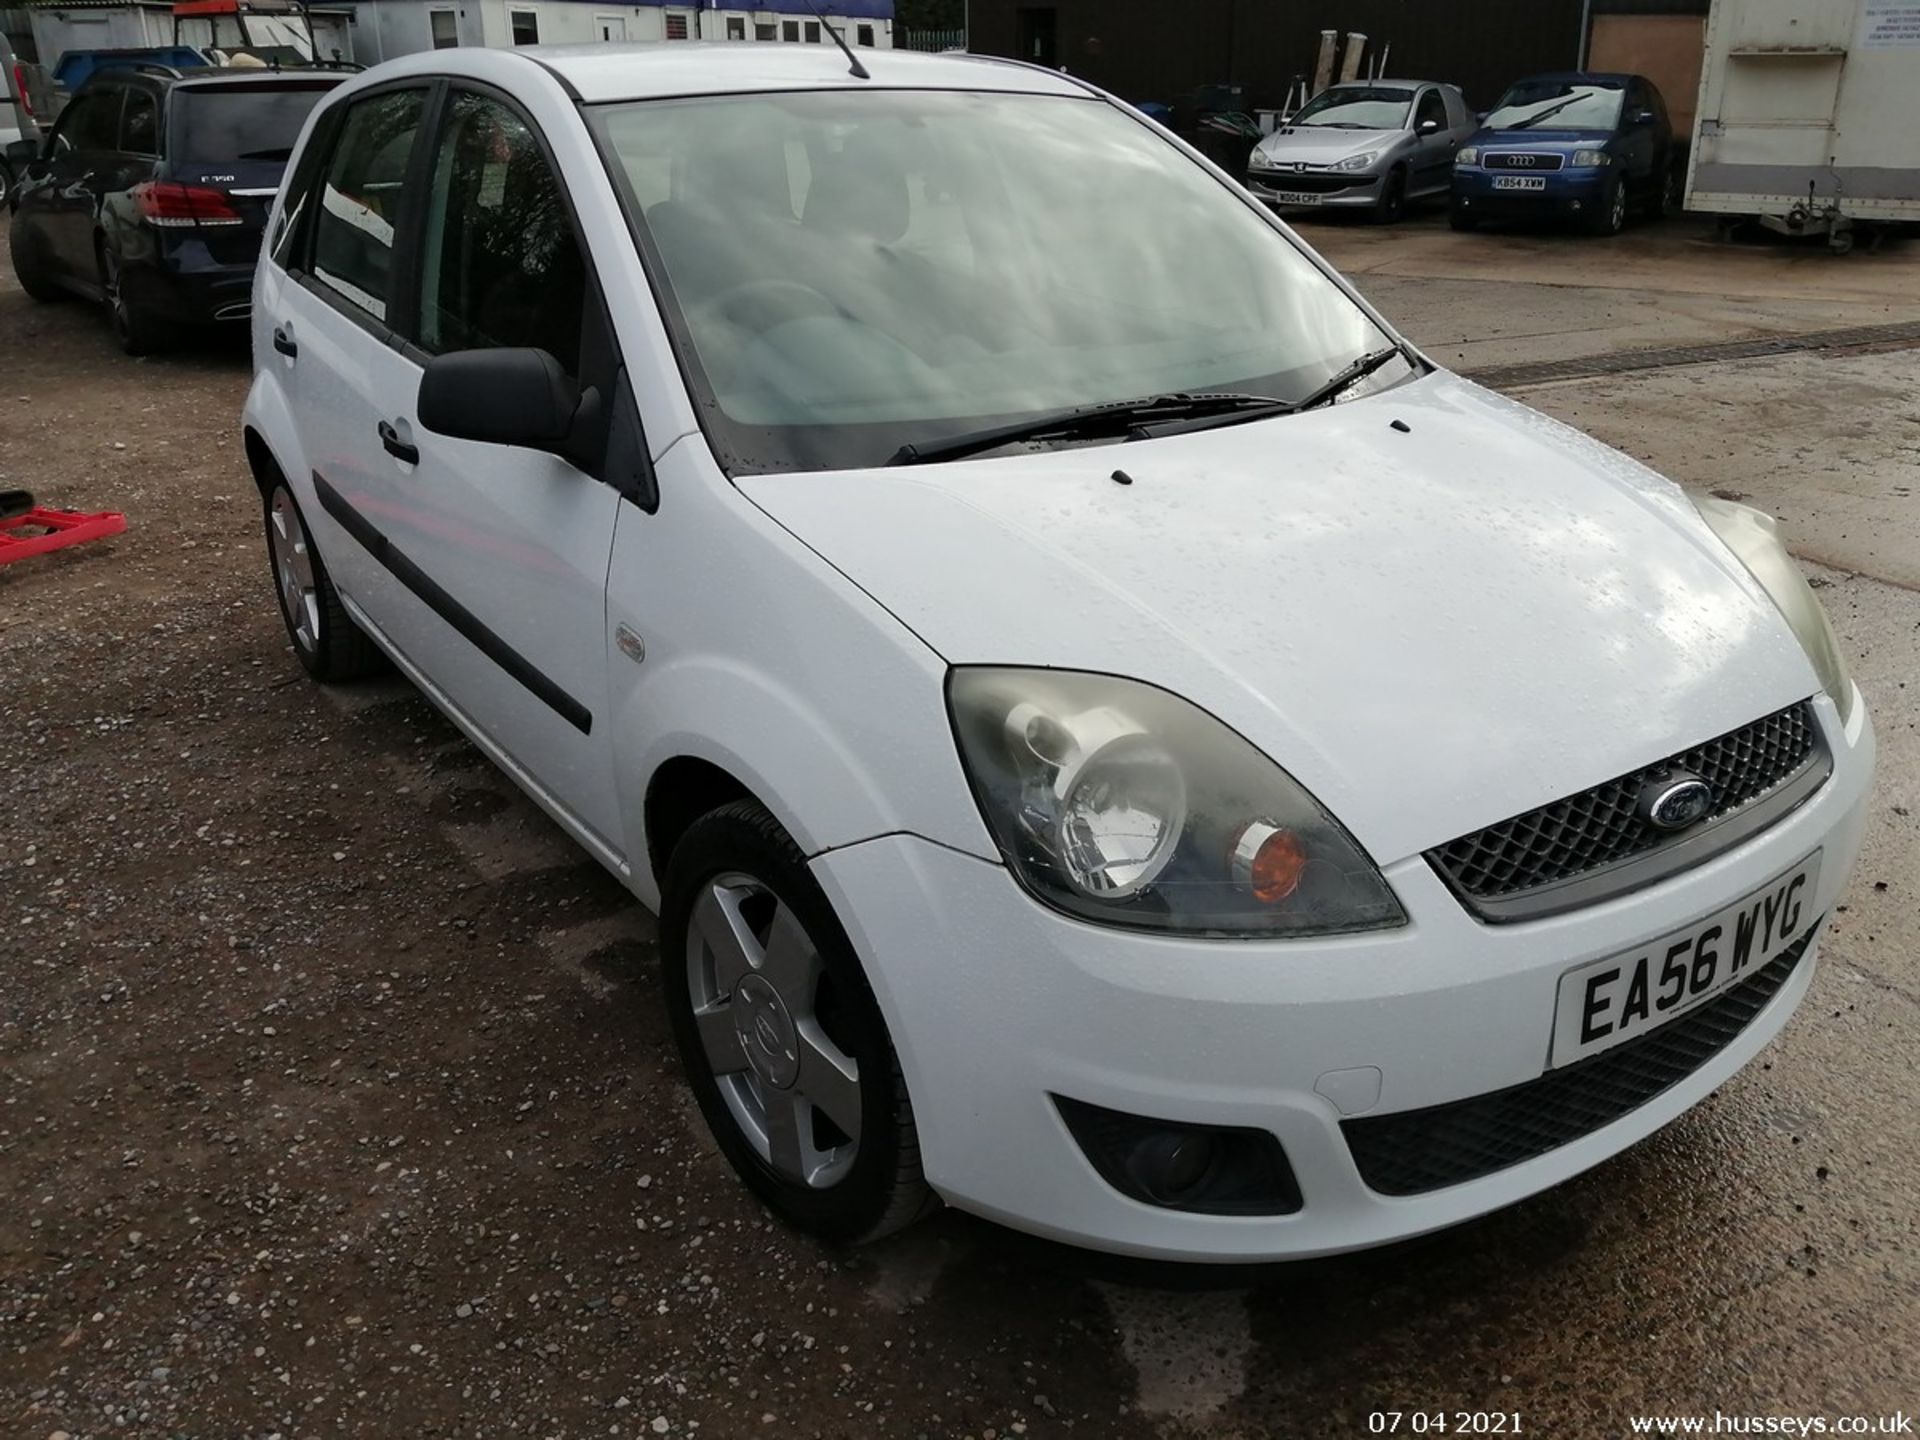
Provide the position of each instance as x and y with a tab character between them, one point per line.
1116	738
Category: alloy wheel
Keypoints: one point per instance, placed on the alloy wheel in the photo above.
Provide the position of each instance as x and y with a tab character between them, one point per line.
293	570
1617	208
764	1006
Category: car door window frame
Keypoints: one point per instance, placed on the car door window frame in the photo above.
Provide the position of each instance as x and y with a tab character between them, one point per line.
74	114
152	97
402	277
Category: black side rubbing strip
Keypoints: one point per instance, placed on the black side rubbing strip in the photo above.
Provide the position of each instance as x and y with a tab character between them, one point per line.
376	544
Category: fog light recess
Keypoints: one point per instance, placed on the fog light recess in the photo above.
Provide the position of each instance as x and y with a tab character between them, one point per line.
1200	1169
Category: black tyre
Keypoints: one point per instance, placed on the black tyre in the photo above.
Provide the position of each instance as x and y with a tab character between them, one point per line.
6	182
1610	216
137	329
1462	220
1393	199
29	268
781	1038
1666	195
329	644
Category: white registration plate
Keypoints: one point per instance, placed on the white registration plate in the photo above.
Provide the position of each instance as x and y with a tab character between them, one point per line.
1292	197
1610	1001
1519	182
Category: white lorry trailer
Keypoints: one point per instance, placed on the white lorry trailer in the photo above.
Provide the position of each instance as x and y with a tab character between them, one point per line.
1809	116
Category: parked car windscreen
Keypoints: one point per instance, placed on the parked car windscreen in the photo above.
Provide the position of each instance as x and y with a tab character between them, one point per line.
242	122
1375	108
851	271
1558	105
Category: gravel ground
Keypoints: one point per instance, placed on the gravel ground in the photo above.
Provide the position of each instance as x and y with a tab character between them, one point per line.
333	1101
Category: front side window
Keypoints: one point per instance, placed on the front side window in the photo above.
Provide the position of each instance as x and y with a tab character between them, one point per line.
90	122
500	265
1357	107
140	124
446	29
852	271
1433	108
526	27
1558	105
361	196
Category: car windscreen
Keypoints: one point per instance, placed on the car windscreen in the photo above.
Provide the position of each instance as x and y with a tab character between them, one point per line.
848	271
213	123
1373	108
1558	105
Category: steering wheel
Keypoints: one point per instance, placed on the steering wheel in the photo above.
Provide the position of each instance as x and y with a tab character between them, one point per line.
760	305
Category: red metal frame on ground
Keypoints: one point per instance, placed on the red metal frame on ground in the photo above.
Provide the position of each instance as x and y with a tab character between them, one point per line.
56	530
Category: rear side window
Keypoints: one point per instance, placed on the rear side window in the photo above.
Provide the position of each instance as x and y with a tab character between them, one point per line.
218	123
500	265
140	124
361	195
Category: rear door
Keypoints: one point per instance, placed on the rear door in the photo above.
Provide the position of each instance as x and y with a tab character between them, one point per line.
326	303
1640	145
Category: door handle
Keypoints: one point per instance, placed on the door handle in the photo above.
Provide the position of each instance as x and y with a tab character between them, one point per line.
396	447
283	342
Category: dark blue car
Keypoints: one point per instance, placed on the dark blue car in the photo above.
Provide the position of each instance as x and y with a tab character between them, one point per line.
1585	148
152	192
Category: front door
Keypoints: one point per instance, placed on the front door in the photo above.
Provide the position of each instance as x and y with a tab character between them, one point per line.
1433	144
512	543
67	203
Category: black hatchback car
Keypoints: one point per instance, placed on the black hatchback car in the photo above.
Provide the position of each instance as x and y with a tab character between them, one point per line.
152	192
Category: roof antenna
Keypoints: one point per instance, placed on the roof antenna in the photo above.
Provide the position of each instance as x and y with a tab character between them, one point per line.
854	67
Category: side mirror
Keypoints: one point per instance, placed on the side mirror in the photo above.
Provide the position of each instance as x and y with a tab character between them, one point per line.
1429	127
510	397
22	153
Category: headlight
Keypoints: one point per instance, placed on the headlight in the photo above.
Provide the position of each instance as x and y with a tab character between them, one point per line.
1754	537
1120	803
1467	155
1586	159
1366	160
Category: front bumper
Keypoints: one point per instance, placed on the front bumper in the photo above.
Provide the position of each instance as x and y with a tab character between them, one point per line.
1317	191
1567	194
997	1003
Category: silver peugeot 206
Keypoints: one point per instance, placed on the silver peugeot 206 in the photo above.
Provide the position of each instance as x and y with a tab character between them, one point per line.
1364	144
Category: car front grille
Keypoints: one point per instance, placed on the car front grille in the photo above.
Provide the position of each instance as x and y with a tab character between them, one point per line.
1602	827
1321	184
1538	161
1415	1151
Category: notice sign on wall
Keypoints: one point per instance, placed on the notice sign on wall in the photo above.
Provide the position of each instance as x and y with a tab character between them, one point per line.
1890	23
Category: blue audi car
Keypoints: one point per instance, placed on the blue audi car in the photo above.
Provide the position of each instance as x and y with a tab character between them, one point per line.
1583	148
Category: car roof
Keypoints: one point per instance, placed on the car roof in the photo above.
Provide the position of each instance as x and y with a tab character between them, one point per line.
1382	84
600	73
1604	77
222	77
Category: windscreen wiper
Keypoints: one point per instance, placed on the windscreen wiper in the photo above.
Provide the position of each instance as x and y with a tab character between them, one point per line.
1334	385
1119	418
1535	119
